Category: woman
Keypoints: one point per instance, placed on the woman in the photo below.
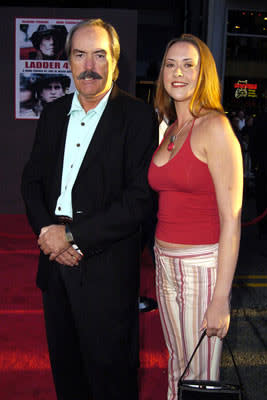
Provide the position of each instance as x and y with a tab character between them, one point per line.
197	171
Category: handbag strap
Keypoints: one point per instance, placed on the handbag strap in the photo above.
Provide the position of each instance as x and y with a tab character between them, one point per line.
192	356
229	349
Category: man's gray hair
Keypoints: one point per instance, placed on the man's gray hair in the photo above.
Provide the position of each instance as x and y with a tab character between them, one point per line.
113	36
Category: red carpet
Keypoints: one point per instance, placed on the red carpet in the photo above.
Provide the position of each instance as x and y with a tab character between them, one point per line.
24	364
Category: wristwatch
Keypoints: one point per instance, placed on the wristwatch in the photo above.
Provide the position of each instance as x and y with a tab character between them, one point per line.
69	236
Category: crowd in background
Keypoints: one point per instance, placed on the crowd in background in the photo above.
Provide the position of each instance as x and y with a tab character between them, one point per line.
251	133
243	126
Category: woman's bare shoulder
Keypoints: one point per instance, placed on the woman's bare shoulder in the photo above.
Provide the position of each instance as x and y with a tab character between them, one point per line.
214	125
212	118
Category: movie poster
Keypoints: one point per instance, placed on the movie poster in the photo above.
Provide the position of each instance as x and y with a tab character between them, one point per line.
42	70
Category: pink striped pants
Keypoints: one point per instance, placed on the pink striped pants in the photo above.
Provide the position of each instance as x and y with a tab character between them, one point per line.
185	280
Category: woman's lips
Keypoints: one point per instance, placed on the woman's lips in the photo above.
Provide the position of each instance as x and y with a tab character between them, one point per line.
178	84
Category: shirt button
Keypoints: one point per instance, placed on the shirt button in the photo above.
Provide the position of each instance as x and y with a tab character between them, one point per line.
82	123
78	144
59	208
71	166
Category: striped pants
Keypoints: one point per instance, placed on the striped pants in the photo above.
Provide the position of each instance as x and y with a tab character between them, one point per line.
185	280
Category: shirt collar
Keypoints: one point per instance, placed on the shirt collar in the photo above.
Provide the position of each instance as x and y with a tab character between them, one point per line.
76	105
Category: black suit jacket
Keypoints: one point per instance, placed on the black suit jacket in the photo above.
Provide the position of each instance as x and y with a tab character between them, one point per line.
111	199
111	196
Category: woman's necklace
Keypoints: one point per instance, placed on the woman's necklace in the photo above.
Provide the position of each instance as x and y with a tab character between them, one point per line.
173	137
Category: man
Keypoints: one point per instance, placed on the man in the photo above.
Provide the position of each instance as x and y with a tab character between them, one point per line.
87	170
49	41
242	119
51	87
27	98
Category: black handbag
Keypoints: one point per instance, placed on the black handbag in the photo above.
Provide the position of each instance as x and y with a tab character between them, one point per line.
209	390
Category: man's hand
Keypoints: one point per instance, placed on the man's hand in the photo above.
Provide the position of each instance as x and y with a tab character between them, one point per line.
52	241
69	257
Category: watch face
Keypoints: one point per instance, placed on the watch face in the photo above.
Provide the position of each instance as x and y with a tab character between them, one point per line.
69	236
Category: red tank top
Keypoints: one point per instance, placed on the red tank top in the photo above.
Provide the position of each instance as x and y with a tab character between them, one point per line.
187	211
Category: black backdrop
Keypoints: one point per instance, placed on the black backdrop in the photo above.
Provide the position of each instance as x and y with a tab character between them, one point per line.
17	135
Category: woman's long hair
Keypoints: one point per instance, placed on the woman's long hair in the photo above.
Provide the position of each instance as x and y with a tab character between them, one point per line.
207	94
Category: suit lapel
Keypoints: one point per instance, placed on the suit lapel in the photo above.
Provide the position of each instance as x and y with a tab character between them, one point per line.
62	126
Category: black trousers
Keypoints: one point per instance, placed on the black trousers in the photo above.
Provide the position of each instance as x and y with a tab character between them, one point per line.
72	325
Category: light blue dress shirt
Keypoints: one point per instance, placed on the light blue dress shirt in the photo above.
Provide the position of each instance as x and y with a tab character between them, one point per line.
80	131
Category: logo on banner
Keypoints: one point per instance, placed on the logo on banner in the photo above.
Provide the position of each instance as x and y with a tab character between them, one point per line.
245	89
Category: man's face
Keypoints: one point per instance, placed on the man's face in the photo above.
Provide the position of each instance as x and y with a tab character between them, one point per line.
91	52
241	114
47	46
51	92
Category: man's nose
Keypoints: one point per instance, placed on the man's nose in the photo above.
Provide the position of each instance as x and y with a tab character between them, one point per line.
89	63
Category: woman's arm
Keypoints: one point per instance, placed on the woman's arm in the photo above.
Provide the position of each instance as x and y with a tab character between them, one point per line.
225	164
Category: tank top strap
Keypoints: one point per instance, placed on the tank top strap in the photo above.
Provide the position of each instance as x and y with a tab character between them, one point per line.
191	129
169	127
187	140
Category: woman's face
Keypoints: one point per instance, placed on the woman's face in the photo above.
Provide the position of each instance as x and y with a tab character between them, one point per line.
181	71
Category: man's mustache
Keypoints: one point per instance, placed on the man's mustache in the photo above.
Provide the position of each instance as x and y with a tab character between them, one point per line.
89	74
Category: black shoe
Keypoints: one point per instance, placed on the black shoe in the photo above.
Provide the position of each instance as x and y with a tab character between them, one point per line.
147	304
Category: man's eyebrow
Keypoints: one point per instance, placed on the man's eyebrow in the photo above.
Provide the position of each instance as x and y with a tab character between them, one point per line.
100	51
78	51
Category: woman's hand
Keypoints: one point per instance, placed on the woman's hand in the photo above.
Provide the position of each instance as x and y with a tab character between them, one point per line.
217	318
